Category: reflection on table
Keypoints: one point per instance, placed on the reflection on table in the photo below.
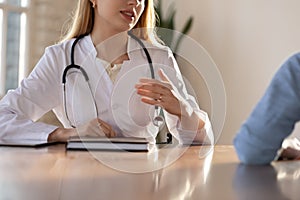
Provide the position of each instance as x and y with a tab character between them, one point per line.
53	173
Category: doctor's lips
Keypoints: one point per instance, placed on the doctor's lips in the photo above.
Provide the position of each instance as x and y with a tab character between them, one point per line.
128	14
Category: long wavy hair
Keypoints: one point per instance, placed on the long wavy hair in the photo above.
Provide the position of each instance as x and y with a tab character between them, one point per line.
82	22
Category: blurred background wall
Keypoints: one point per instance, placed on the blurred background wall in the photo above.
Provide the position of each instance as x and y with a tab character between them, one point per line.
248	40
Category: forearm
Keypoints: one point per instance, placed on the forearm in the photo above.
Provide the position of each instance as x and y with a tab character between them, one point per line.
192	122
191	119
194	127
202	133
273	118
17	127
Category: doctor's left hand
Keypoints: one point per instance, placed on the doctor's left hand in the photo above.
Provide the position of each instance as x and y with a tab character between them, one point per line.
160	93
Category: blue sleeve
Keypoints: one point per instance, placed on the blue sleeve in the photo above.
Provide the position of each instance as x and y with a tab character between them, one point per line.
273	118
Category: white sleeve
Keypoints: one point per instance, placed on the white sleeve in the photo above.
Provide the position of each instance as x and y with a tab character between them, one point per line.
173	123
35	96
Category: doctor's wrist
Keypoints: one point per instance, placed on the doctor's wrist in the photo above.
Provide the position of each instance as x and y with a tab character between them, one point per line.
61	135
191	122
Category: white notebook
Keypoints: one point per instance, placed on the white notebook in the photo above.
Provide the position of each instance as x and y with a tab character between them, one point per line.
110	144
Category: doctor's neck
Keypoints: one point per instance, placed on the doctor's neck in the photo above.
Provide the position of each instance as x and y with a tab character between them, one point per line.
110	46
100	35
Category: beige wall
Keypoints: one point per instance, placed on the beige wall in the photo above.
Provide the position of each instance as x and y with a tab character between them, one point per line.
247	39
46	19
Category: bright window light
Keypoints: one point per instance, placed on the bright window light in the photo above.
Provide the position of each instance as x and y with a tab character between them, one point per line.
13	41
22	53
22	3
2	54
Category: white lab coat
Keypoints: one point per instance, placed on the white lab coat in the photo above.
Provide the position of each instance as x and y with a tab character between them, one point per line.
117	104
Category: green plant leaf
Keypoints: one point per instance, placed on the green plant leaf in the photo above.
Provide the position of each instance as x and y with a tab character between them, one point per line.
188	25
170	22
184	31
167	24
158	11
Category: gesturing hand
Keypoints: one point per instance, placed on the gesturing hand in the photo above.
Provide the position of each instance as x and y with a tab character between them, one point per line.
160	93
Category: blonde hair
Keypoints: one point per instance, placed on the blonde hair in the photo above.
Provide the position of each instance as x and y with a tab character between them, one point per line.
83	21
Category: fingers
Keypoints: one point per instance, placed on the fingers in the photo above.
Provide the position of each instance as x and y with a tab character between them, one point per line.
153	94
154	83
163	76
155	88
290	153
106	128
153	91
159	93
165	82
96	127
161	102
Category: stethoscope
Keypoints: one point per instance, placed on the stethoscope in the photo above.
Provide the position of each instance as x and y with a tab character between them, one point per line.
158	120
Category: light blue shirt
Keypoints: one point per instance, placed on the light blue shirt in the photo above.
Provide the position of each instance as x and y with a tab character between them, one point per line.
273	118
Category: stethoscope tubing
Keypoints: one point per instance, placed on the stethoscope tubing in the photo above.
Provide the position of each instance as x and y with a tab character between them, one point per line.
156	119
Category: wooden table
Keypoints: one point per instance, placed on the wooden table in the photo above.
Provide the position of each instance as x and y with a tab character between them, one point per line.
53	173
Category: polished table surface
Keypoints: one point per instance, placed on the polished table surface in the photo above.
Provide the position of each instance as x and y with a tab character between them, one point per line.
53	173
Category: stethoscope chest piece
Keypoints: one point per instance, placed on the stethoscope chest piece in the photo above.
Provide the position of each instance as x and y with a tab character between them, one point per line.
158	121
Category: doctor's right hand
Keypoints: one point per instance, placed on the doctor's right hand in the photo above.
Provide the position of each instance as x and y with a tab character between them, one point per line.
95	127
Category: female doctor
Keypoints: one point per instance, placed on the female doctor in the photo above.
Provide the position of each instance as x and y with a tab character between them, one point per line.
114	94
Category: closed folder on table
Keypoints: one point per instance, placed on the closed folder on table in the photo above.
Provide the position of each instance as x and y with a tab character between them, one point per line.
25	143
104	143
